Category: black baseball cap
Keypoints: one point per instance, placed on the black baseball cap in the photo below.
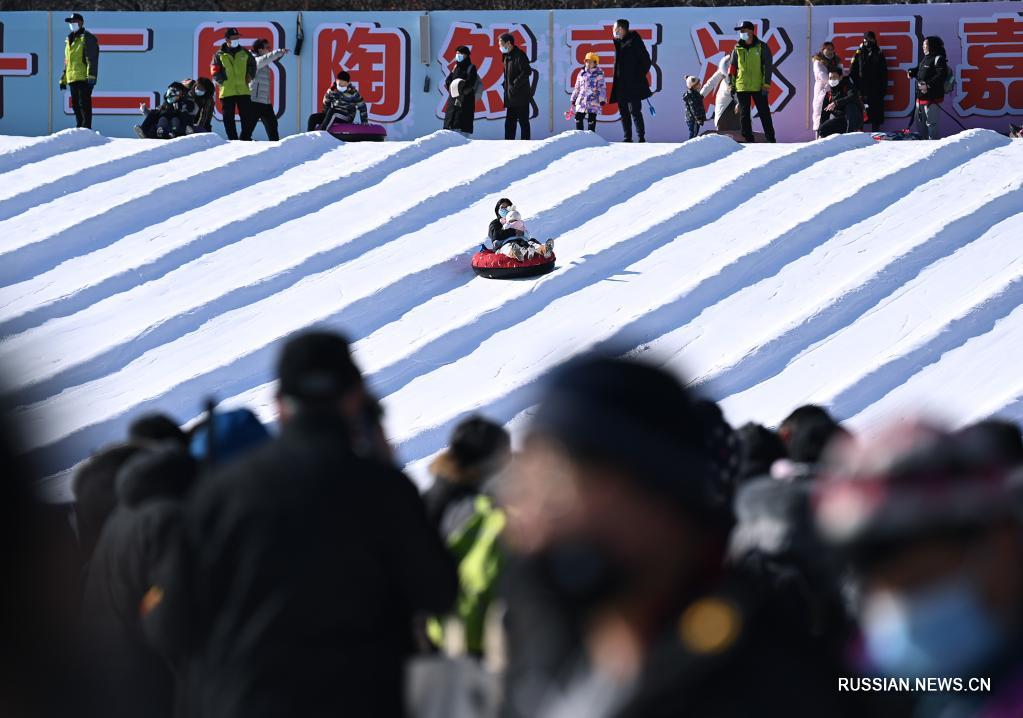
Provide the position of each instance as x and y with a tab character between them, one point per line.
75	17
747	25
231	32
317	366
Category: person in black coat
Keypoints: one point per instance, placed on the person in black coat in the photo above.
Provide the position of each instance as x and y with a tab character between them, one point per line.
869	73
630	86
461	110
497	233
131	678
518	88
302	563
842	110
930	76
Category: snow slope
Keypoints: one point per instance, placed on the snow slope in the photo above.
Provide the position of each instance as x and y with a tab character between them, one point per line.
144	275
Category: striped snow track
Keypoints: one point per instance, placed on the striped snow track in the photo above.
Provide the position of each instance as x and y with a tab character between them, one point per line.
858	275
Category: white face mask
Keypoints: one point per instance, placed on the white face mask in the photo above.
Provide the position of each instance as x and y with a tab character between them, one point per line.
229	43
744	36
199	92
833	82
505	50
341	87
73	26
459	57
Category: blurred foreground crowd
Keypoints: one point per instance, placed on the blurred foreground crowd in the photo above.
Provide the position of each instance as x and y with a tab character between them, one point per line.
636	556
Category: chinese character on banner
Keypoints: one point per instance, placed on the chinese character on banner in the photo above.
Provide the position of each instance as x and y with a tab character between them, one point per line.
14	64
209	37
990	77
486	55
376	57
597	38
712	44
900	39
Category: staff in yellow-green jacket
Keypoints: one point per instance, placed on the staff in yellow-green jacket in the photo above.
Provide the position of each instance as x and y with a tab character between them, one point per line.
233	69
81	68
749	74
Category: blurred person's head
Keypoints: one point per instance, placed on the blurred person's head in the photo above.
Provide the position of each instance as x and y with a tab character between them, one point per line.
233	433
94	489
620	29
997	437
164	471
759	448
807	431
928	522
616	495
479	449
316	377
156	427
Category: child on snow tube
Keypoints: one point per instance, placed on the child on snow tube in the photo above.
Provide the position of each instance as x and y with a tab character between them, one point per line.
509	236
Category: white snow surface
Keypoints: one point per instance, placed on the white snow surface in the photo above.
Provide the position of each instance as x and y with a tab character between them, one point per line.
878	279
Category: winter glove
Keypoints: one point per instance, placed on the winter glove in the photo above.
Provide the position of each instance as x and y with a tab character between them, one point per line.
92	82
63	86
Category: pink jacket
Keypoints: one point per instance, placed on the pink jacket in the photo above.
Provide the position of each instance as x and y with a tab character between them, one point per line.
590	90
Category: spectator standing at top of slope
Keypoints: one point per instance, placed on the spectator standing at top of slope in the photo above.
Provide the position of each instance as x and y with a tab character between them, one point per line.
823	63
726	117
750	72
869	73
202	92
630	85
518	88
262	109
589	93
696	115
461	106
81	68
842	110
340	102
301	564
930	74
233	69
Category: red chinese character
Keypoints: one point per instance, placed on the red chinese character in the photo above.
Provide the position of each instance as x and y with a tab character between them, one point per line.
210	36
991	74
486	55
597	38
899	38
376	57
14	64
711	44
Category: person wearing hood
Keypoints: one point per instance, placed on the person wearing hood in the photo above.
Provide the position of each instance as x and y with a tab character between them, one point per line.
589	93
262	109
869	73
696	115
630	85
842	110
823	63
132	679
233	69
461	106
518	88
930	75
750	74
726	118
81	68
929	524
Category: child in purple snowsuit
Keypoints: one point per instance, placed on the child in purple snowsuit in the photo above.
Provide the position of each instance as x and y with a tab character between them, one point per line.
590	93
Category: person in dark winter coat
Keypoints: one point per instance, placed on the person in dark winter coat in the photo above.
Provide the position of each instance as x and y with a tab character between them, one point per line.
461	106
341	102
232	69
95	494
177	112
132	678
842	110
463	504
621	603
759	448
750	73
869	73
696	113
301	565
518	88
930	76
630	85
81	68
497	232
202	92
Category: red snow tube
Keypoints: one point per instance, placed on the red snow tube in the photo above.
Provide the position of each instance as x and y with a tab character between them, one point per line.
494	265
350	132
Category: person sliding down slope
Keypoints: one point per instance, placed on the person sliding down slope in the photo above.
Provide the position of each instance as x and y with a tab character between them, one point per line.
527	247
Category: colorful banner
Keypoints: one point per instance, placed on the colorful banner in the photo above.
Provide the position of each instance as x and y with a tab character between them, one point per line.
401	74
